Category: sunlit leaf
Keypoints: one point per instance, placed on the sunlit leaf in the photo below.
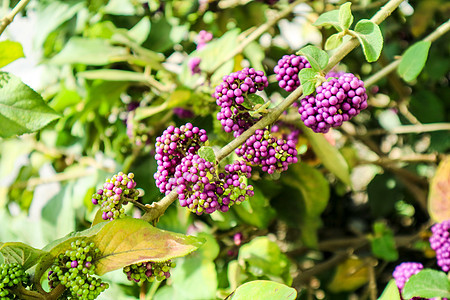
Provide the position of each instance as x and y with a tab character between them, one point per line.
318	59
329	18
308	80
263	289
22	110
439	195
20	253
345	15
207	153
371	39
428	283
127	241
9	52
391	292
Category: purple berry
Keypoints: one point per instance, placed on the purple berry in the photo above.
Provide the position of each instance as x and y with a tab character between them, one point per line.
287	71
440	242
336	101
194	65
403	272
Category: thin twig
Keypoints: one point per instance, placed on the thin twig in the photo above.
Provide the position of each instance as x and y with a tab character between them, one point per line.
420	128
6	20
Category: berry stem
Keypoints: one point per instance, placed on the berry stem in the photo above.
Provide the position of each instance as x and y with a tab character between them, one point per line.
25	294
157	208
6	20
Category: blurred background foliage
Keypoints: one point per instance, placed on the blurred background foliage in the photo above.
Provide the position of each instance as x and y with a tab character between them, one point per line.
117	72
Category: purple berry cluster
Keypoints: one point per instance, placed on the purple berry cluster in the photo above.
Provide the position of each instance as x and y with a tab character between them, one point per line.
203	38
336	101
404	271
75	268
149	271
202	191
114	194
230	95
336	74
440	242
235	190
171	147
270	153
287	71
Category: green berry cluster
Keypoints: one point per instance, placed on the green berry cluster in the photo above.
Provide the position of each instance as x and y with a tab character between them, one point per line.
75	269
11	275
114	194
149	271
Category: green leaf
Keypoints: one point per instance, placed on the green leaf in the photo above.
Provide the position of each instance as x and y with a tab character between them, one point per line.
263	289
383	243
308	80
413	60
390	292
318	59
251	100
427	283
9	52
331	158
329	18
371	39
333	41
140	31
207	153
20	253
127	241
262	257
439	195
345	15
95	52
256	210
22	110
113	75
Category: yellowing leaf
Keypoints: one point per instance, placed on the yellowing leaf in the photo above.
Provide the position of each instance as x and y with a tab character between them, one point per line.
127	241
439	196
350	275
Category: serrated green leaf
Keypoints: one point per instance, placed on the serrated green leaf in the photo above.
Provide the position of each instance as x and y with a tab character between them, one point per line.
331	158
127	241
9	52
308	80
22	110
207	153
390	292
345	15
329	18
333	41
318	59
95	52
428	283
20	253
413	60
263	289
439	195
371	39
251	100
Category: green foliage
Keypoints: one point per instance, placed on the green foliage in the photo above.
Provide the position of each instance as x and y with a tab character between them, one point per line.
390	292
207	153
263	289
427	283
413	60
316	57
308	80
22	110
10	51
383	243
369	35
20	253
